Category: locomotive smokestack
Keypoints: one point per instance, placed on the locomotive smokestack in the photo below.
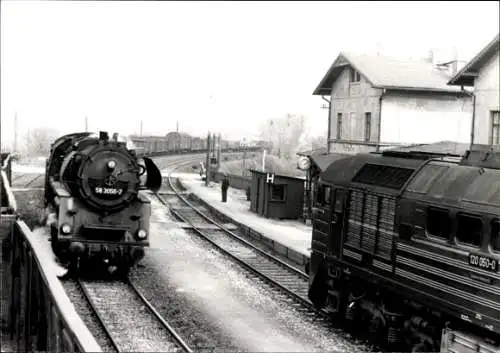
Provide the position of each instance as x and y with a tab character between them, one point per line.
103	135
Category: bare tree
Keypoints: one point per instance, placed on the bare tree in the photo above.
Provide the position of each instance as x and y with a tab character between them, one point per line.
285	133
318	142
38	141
5	147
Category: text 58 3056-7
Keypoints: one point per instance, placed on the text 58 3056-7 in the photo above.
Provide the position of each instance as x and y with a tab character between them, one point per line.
108	191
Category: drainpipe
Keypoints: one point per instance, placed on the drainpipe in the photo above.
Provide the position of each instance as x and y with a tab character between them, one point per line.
329	121
473	124
380	118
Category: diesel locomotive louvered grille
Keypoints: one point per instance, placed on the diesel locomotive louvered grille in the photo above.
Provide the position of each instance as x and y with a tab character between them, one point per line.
371	223
389	177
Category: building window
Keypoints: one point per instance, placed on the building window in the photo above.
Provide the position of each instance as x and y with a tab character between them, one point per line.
339	126
368	126
354	75
278	193
495	128
469	229
438	223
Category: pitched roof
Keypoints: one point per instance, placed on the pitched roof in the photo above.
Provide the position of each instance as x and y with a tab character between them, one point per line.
389	73
466	76
449	147
309	153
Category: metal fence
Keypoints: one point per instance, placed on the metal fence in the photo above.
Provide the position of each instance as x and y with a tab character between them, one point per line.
37	311
235	181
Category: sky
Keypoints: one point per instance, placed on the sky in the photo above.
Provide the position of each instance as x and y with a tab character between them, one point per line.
218	66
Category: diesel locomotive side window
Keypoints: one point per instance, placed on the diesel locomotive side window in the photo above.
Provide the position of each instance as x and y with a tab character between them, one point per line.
438	222
327	191
495	235
319	194
323	195
469	229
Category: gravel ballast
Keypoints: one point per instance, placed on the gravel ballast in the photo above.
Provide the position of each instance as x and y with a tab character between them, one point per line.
182	272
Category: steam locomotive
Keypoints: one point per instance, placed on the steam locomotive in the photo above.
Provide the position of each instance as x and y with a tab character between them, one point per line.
94	207
409	243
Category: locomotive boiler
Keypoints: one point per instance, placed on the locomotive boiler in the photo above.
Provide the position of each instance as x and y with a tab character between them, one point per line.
409	243
95	208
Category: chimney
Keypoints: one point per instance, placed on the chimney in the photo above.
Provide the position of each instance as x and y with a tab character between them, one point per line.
454	63
430	56
454	67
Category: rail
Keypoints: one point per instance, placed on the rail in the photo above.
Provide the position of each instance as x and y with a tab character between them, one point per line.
39	314
278	281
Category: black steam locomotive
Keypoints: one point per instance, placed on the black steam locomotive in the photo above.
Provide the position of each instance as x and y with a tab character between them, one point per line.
94	206
409	243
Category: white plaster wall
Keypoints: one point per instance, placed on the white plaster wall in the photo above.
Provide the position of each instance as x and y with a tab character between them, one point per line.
409	118
487	90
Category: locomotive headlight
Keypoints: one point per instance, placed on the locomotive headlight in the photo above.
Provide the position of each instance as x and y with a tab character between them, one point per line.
141	234
66	229
111	165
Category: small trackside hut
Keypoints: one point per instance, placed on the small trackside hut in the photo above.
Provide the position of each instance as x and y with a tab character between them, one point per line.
276	196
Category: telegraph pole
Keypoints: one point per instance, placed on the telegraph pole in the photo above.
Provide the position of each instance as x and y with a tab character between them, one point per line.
177	126
15	132
244	156
208	160
141	129
86	124
214	145
218	151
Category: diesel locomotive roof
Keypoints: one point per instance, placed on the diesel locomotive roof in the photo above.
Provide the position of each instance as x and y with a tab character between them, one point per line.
387	172
454	185
436	180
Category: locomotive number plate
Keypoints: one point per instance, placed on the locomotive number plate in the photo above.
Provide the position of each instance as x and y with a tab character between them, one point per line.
108	191
483	262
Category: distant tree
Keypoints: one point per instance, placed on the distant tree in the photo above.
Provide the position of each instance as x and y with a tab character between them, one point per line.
286	134
38	141
5	147
318	142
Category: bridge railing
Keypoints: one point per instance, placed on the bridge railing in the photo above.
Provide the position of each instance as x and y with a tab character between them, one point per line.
37	311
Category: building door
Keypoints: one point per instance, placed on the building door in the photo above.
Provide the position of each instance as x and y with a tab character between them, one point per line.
262	195
257	198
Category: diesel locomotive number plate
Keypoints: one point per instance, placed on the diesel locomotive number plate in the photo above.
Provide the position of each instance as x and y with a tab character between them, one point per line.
483	262
99	190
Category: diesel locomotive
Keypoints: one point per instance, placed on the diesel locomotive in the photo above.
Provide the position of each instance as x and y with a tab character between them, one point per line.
94	205
409	243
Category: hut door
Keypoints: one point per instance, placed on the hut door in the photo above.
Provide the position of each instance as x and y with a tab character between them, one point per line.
338	199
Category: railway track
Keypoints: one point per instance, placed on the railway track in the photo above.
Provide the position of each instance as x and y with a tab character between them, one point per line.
23	181
127	319
289	281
